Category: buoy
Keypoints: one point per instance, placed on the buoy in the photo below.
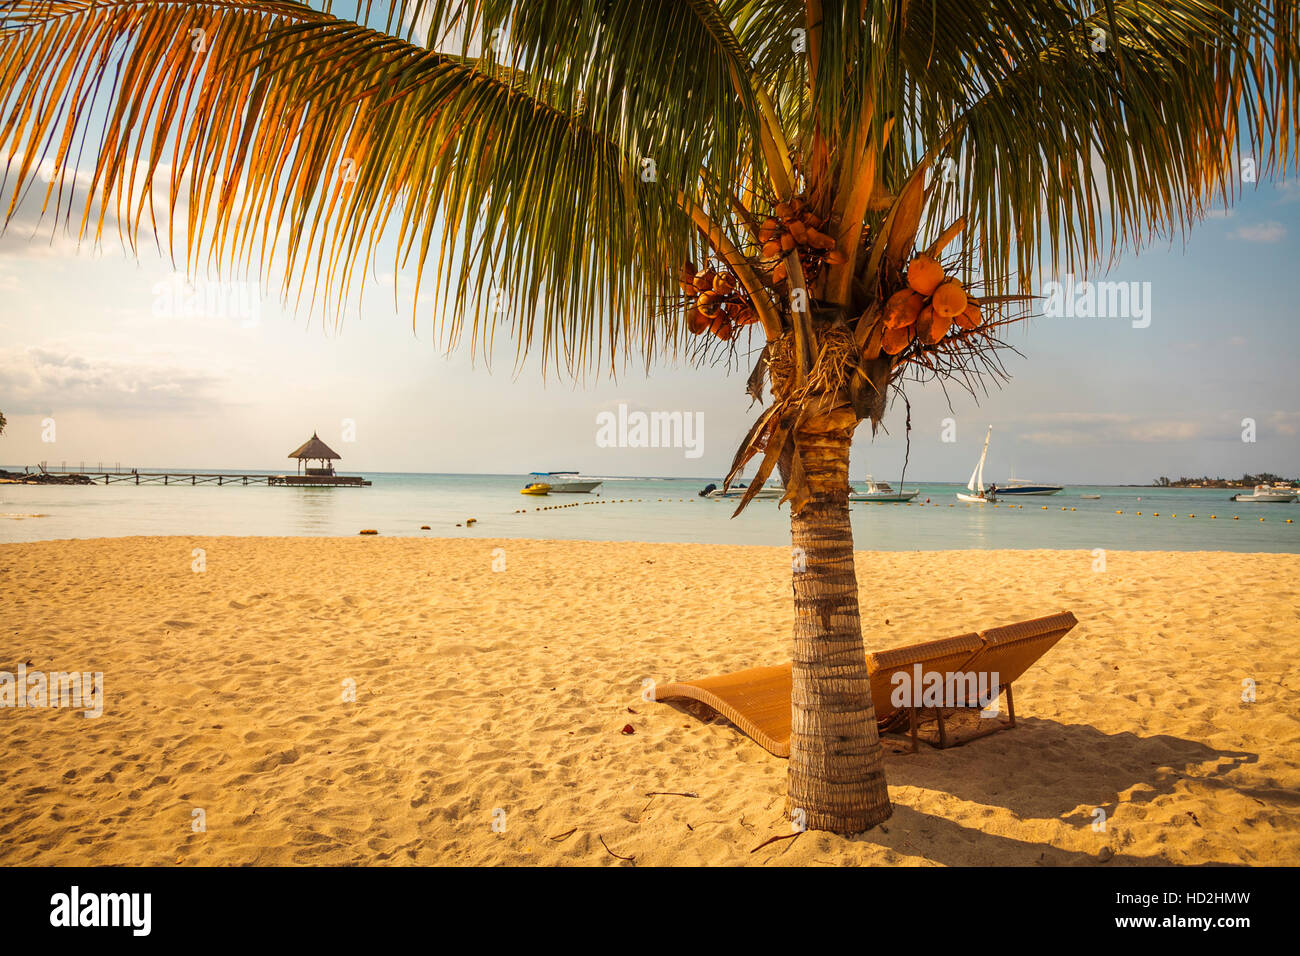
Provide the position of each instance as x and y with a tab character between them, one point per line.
1288	520
424	527
1119	512
1212	517
470	521
1044	507
368	531
1235	518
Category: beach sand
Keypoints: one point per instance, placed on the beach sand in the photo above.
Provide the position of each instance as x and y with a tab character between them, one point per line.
489	696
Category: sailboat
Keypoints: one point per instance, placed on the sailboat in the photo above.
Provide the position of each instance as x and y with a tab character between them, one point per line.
976	484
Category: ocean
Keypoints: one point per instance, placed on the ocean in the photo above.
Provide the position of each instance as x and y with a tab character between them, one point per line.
646	509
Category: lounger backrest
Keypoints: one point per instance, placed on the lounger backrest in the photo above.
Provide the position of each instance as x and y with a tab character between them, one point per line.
946	655
1010	651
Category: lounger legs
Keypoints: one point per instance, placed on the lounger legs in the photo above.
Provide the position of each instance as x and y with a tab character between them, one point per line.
1011	706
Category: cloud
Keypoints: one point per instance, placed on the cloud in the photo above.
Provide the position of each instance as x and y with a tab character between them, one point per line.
1271	231
1289	190
41	380
1104	428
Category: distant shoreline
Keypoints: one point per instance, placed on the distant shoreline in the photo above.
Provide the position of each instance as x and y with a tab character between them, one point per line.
10	476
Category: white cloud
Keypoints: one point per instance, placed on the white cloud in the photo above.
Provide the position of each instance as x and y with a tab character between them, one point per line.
1095	428
1289	189
37	380
1271	231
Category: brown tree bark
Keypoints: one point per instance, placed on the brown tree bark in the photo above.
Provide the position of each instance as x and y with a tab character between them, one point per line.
836	774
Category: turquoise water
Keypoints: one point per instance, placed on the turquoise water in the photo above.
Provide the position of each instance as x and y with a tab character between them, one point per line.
631	509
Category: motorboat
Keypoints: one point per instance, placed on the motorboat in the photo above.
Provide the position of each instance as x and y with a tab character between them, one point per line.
535	488
978	496
1090	497
881	491
1016	486
769	491
1268	494
565	482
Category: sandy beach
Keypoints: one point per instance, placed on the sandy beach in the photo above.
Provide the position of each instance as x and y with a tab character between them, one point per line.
500	697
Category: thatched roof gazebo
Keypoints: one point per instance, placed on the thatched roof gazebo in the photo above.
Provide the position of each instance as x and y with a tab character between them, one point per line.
313	449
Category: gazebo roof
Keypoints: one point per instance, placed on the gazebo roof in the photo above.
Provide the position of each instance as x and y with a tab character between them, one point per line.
314	448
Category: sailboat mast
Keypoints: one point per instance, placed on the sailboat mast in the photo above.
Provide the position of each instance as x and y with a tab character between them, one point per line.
976	482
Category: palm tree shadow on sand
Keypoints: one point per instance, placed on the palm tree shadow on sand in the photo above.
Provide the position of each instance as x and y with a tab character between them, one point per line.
940	840
1053	768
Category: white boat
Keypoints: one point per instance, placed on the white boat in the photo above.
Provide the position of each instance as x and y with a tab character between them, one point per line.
770	490
1090	497
1267	494
881	491
975	486
564	482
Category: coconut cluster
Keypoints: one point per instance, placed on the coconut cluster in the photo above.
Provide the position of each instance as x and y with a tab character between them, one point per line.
717	303
928	308
795	226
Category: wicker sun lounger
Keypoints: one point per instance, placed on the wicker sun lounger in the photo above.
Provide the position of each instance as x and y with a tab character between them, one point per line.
758	700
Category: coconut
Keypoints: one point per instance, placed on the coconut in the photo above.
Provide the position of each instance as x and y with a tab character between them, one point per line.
949	299
924	274
970	317
787	242
723	284
697	322
778	273
704	281
895	340
784	211
819	240
799	231
902	309
769	230
721	327
931	326
811	219
744	315
836	258
707	303
772	249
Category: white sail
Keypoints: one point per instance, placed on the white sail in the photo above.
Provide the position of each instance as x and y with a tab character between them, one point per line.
976	483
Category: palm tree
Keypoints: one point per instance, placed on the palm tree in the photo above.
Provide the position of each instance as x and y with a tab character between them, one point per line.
609	181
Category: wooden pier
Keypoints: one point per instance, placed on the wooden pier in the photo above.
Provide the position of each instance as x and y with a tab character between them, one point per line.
199	478
313	449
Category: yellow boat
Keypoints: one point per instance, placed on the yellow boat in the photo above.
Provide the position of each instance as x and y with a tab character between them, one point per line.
536	488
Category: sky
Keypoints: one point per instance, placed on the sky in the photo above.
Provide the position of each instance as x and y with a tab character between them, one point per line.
104	359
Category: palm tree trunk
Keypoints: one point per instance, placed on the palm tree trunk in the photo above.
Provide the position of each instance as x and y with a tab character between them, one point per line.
837	778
